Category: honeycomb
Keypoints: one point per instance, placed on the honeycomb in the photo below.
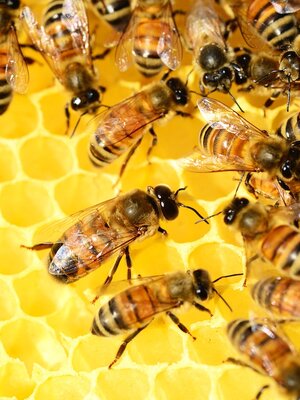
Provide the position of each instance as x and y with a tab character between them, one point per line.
46	349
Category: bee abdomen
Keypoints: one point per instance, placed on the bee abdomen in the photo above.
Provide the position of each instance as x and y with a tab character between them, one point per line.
6	92
108	321
290	129
281	247
115	12
102	153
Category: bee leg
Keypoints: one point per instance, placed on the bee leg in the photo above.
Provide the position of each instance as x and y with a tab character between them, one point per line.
128	157
176	321
230	26
102	55
242	364
248	263
67	113
162	230
154	143
128	263
184	114
125	343
262	389
248	185
271	100
202	308
39	246
114	268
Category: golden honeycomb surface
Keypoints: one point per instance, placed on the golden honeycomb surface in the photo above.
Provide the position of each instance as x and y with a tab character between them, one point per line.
46	349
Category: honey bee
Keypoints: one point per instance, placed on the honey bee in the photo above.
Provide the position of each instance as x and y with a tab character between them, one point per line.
121	128
63	40
151	39
92	236
269	234
270	31
13	68
267	352
133	309
115	12
230	143
279	295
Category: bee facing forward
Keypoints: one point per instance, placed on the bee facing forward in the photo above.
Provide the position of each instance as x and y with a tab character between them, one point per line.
268	233
278	295
13	69
63	40
267	352
133	309
92	236
151	39
230	143
121	128
115	12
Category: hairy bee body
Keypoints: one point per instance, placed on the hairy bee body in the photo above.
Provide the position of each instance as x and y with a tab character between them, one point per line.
267	351
115	12
279	295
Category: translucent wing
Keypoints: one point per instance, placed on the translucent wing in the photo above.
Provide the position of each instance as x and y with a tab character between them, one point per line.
201	162
203	25
16	70
124	49
219	116
286	6
287	214
169	46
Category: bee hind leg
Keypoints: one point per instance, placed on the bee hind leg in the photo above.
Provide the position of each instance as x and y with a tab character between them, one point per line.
128	157
154	143
260	392
176	321
128	263
125	343
38	246
202	308
115	266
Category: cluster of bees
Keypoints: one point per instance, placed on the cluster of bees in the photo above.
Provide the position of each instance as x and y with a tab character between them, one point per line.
269	164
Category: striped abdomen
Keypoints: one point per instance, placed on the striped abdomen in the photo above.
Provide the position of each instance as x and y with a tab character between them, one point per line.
146	38
133	308
290	128
281	246
261	345
115	12
83	248
280	296
6	92
279	30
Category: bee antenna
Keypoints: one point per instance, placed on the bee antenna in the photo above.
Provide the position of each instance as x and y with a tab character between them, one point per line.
185	206
199	94
166	75
222	298
239	184
210	216
77	123
179	190
226	276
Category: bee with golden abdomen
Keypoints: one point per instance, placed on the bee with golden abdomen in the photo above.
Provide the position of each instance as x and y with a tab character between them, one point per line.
279	295
151	39
121	128
13	68
92	236
133	309
63	40
266	352
268	232
230	143
116	13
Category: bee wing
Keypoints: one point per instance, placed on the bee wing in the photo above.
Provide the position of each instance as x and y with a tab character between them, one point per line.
124	49
286	6
201	162
16	70
75	18
43	42
289	214
169	46
203	25
219	116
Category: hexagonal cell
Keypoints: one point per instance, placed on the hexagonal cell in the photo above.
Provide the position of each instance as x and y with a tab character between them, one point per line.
87	190
32	342
25	123
45	158
13	258
183	383
25	203
15	381
8	301
124	384
63	387
8	163
53	108
46	295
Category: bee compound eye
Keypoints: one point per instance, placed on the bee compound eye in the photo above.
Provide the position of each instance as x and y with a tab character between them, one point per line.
167	202
13	4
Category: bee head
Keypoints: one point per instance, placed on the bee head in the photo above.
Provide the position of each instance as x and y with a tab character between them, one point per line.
179	90
220	79
291	166
202	284
85	99
233	209
167	201
13	4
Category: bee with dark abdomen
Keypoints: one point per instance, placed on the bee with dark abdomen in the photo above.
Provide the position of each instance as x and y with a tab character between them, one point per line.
116	13
121	128
63	40
266	352
92	236
151	39
268	232
133	309
278	295
13	69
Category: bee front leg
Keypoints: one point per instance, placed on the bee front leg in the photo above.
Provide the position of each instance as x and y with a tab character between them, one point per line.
67	114
162	230
125	343
262	389
129	263
176	321
114	268
128	157
154	143
38	246
202	308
